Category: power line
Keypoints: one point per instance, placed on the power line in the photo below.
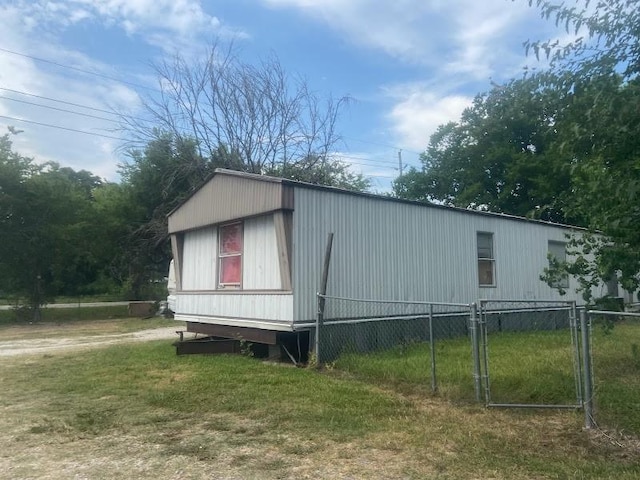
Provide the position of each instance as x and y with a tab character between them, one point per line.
366	162
58	109
79	105
81	70
380	176
19	92
61	128
120	139
360	161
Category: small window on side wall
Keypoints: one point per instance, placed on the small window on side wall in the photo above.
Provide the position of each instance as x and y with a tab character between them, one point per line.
230	255
558	252
486	260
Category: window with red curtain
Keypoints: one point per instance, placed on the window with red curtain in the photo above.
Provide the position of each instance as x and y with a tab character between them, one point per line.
230	255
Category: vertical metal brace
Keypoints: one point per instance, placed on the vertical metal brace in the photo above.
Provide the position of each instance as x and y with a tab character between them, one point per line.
585	326
475	348
434	384
319	314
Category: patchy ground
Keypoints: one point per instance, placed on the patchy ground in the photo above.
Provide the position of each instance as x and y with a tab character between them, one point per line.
103	440
38	345
217	446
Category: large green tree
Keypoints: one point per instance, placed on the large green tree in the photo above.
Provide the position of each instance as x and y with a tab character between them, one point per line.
154	181
601	139
499	156
45	215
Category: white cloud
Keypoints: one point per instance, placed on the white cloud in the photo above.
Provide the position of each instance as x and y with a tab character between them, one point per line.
394	27
478	37
22	73
459	45
166	24
419	110
35	28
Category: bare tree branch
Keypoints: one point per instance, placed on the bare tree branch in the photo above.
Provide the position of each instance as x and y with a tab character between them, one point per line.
256	113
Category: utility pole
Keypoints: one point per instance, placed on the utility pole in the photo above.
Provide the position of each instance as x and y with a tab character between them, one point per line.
400	161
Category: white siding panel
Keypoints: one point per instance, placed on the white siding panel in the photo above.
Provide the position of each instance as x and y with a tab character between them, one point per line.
261	268
264	307
199	259
392	250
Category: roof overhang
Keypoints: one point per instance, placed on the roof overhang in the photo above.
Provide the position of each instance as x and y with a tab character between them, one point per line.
230	195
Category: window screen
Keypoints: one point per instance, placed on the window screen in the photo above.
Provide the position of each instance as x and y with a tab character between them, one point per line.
486	260
558	250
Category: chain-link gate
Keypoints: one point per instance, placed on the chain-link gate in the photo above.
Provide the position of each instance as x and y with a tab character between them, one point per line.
532	323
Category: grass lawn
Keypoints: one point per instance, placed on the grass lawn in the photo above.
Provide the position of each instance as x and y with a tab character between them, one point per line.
139	411
65	315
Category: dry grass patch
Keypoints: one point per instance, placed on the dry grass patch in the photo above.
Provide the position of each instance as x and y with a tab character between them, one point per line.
81	328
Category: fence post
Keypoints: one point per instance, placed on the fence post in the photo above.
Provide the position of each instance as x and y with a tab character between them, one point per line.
475	347
585	326
434	384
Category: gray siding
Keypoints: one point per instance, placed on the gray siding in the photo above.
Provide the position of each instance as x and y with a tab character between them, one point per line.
391	250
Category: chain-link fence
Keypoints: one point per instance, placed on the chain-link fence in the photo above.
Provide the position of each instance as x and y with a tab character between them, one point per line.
612	364
529	354
350	326
538	354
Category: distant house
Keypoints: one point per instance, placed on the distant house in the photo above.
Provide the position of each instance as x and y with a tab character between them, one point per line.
248	253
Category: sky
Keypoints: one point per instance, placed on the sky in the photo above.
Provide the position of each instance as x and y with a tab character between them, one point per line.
408	66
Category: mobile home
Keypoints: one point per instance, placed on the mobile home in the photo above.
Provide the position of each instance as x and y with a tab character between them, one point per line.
249	252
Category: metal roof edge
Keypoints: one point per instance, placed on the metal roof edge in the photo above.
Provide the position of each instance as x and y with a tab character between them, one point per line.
372	196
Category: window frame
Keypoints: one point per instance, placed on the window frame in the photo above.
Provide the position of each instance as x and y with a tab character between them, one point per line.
221	256
490	259
564	282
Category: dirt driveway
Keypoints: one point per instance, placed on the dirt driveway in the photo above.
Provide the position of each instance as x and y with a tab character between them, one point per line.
39	345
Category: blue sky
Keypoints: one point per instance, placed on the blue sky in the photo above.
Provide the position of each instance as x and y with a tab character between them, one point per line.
409	65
